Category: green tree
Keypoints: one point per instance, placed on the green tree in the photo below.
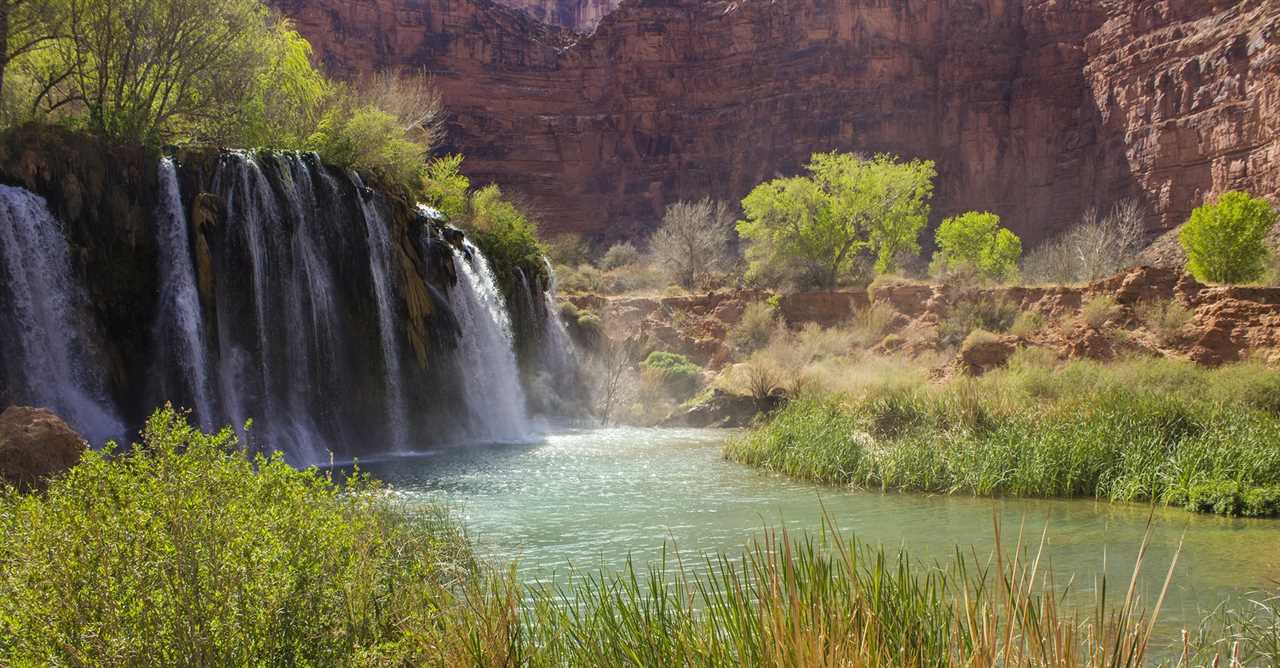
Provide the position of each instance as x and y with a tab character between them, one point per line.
1225	241
148	70
816	226
975	242
26	27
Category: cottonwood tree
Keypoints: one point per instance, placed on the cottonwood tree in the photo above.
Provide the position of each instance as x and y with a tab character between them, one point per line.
816	226
693	241
975	243
1226	240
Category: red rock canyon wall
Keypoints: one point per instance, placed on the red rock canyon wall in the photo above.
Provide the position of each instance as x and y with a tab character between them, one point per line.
1034	109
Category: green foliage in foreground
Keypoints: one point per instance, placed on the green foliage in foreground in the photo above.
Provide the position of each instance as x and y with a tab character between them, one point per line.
1138	430
1225	240
187	552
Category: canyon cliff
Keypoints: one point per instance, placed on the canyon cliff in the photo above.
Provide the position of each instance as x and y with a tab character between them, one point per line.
1033	109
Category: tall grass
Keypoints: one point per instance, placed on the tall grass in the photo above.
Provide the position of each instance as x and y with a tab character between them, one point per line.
1137	430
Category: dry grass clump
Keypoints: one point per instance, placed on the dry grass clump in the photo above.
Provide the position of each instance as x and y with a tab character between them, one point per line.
976	312
1027	323
1099	310
754	329
1165	319
871	323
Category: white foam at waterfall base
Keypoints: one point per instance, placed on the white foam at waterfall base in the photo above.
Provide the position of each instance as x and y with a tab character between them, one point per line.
46	344
491	377
180	327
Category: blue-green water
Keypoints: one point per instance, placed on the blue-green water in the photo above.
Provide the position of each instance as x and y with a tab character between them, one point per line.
590	498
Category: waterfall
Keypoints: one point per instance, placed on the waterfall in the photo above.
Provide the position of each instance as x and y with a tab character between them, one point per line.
555	347
180	329
491	382
277	333
42	345
380	268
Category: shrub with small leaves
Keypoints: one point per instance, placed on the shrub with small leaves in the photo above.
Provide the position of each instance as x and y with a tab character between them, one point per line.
1165	319
753	329
674	372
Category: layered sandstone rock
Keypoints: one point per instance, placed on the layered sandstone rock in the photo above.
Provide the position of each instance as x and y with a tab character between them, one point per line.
577	15
1033	109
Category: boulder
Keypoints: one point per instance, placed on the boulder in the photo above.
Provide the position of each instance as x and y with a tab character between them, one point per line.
35	444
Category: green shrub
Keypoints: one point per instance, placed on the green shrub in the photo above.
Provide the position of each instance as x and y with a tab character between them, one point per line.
185	551
620	255
506	236
753	329
975	243
978	337
1099	310
1261	501
1225	240
674	372
1165	319
371	140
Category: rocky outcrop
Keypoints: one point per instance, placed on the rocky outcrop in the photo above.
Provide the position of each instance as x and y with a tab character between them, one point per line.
1033	109
35	444
723	409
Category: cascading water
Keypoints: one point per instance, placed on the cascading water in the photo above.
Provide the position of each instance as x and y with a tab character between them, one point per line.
491	383
180	327
380	268
43	345
555	347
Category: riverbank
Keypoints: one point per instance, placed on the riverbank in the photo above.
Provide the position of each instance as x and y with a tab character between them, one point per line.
185	552
1140	429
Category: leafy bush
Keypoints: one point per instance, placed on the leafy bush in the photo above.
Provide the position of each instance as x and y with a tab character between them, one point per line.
1099	310
974	242
445	187
506	236
753	329
976	312
1165	319
186	551
674	372
1225	240
620	255
371	140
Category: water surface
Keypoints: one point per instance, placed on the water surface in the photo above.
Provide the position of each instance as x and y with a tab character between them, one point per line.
590	498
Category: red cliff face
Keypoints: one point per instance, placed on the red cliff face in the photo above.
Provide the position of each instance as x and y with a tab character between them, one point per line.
1033	109
577	15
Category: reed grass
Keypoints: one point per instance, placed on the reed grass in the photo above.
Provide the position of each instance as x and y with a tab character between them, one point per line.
1136	430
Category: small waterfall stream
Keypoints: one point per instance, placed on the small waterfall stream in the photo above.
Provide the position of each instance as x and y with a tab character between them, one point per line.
491	381
380	269
44	348
180	325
